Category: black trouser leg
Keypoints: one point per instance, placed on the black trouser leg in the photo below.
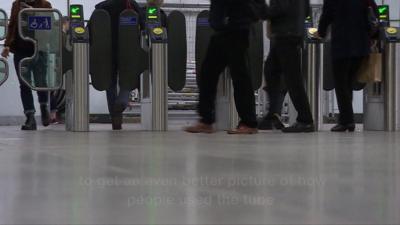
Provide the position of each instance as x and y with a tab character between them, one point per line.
289	55
344	75
243	87
214	64
275	87
26	92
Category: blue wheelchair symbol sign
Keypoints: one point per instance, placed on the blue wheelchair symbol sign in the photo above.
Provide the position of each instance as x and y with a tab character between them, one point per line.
39	23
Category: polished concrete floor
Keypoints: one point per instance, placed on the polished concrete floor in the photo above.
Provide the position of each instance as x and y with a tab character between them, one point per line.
133	177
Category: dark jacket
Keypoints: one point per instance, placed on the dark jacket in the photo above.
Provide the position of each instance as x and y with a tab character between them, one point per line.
228	15
287	17
13	40
349	27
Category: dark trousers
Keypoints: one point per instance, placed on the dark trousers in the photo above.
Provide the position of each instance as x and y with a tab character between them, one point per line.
26	92
116	96
227	49
275	88
286	52
345	71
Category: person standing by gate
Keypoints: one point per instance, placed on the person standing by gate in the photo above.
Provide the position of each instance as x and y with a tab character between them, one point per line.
228	46
118	98
350	44
287	35
24	49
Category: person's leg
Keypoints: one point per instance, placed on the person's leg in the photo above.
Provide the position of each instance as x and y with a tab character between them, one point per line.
238	62
214	64
211	69
274	89
39	70
344	91
114	107
290	60
26	96
53	107
122	100
112	93
43	97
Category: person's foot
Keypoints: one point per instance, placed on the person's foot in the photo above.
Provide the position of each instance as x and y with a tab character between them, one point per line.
243	129
299	128
44	110
30	123
271	122
200	128
116	121
53	118
343	128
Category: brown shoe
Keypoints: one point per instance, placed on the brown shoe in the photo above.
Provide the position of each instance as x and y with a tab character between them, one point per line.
243	129
200	128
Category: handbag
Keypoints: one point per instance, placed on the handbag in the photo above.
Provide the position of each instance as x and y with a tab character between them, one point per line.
370	70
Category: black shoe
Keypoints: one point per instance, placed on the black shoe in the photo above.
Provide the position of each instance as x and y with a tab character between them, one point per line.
45	113
30	123
116	121
271	122
343	128
299	128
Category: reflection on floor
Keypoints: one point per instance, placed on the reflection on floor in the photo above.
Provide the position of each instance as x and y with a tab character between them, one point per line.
133	177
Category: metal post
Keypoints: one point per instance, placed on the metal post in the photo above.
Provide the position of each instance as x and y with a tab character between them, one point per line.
390	81
159	86
154	90
315	81
77	112
77	88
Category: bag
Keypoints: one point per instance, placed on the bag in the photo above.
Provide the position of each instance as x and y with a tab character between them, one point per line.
370	70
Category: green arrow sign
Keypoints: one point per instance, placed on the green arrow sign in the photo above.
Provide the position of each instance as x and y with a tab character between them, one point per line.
75	10
152	11
383	9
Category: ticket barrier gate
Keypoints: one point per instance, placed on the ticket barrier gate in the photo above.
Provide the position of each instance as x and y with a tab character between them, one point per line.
150	58
3	33
226	114
44	70
154	83
77	83
43	28
167	52
314	71
381	99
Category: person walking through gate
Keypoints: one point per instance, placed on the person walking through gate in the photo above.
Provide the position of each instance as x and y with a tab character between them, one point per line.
287	35
228	47
118	98
24	49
